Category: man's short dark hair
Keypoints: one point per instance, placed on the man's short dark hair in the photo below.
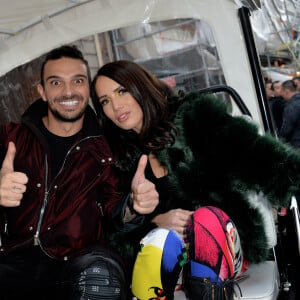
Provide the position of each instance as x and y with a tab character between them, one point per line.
296	78
268	81
289	85
70	51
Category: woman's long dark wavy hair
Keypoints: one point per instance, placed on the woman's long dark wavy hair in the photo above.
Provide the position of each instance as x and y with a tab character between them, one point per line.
152	94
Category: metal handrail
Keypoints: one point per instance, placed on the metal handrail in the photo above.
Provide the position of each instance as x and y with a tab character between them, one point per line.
232	92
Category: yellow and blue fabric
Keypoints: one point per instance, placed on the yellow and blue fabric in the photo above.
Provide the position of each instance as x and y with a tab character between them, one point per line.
158	265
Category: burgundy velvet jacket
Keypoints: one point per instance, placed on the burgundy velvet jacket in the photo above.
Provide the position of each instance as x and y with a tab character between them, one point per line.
65	214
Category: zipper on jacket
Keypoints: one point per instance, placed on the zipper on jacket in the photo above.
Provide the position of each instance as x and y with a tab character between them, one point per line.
5	231
45	200
100	208
5	227
36	240
37	233
70	150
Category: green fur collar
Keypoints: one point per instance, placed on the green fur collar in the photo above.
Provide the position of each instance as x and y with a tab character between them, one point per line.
219	160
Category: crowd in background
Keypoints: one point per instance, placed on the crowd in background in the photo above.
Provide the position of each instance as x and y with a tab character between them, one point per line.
284	103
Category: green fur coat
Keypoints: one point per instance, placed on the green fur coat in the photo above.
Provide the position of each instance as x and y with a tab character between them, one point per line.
221	160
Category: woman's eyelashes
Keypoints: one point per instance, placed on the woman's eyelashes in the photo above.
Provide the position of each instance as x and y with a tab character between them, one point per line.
119	92
103	101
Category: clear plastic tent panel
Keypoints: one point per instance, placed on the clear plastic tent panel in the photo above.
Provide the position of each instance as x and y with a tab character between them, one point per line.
276	26
181	52
190	44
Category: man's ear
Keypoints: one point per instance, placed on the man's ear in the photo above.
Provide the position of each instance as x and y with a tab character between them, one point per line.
41	91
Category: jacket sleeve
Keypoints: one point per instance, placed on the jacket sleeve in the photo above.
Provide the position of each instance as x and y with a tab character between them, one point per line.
289	119
232	149
3	142
119	213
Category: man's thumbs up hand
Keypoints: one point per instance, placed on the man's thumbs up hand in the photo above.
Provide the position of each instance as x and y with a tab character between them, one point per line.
12	184
8	163
144	194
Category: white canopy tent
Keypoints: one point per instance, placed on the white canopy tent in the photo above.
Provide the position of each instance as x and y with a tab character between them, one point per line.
30	28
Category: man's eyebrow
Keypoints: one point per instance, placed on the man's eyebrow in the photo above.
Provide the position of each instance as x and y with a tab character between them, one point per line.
80	75
58	77
52	77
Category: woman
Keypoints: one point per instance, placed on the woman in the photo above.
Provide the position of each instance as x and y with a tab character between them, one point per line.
214	160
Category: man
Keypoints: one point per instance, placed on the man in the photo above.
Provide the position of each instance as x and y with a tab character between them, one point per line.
276	88
296	79
290	129
268	88
58	193
277	104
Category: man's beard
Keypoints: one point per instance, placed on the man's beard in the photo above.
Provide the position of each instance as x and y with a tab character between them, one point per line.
58	116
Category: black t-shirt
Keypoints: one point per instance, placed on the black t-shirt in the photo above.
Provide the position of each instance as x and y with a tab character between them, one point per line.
59	147
168	193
